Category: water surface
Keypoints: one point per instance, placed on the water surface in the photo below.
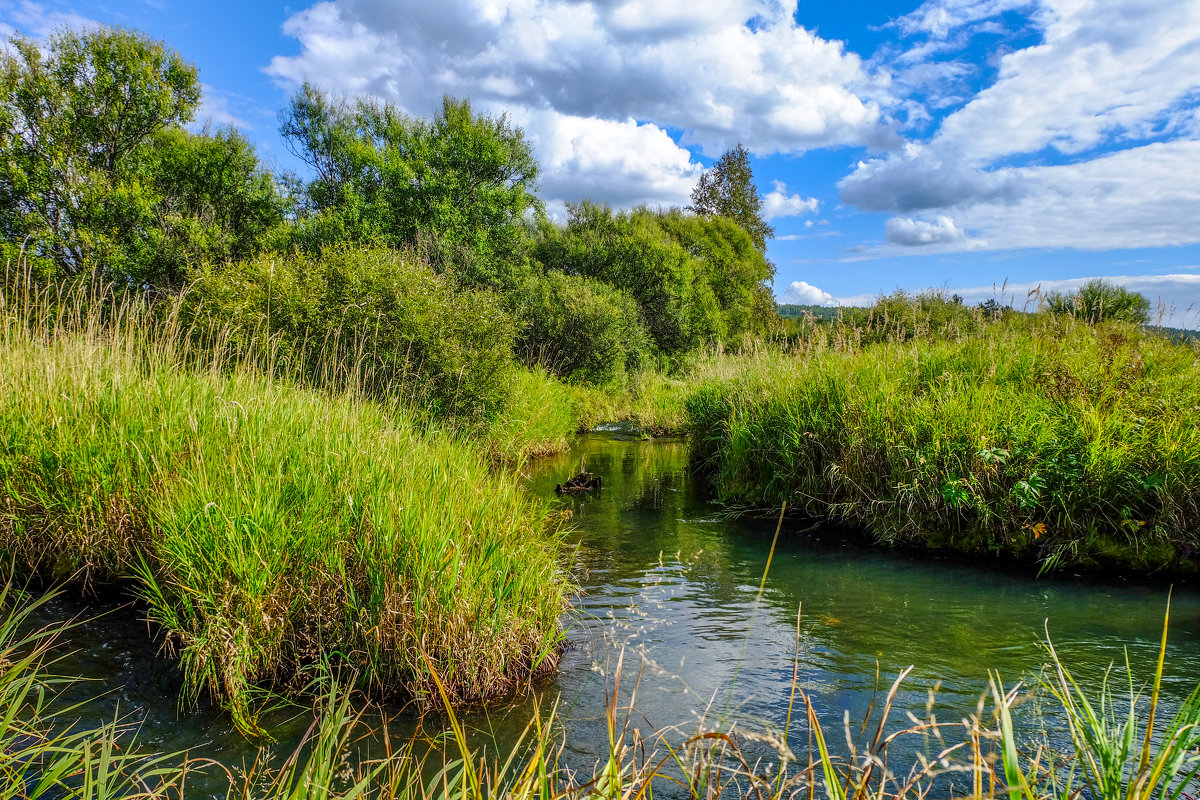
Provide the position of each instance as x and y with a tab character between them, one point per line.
669	584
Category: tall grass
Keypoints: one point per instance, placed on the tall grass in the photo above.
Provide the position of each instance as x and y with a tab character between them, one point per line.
266	526
1034	436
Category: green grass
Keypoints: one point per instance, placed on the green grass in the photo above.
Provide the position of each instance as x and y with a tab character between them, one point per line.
1032	436
266	526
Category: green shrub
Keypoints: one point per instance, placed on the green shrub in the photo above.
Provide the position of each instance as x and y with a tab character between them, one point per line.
582	329
380	319
632	252
1101	301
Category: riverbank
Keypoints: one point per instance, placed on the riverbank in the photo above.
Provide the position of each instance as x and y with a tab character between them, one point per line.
265	525
1036	437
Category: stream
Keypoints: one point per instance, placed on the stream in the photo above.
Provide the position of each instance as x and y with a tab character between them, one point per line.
669	585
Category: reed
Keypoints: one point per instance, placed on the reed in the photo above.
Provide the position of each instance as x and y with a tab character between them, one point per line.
266	526
1032	437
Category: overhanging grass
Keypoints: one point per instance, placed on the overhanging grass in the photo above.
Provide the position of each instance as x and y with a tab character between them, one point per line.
1034	436
267	526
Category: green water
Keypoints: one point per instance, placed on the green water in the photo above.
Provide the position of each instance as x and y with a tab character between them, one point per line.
670	582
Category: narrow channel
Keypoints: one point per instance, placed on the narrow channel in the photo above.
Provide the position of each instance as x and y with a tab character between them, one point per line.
670	581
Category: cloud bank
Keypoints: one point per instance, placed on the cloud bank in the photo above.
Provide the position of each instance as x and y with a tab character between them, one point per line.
598	85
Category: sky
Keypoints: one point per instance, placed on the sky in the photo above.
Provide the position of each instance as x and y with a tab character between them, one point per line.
986	147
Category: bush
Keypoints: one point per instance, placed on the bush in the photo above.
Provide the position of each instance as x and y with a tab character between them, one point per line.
378	318
731	265
632	252
1101	301
582	329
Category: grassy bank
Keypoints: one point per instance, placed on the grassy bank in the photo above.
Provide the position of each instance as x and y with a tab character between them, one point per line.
266	526
1033	437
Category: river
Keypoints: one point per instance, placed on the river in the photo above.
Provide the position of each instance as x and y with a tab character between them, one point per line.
671	582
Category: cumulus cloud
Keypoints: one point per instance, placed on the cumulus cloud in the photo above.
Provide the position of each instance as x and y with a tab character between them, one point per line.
718	72
1083	140
1140	197
1106	70
920	178
805	294
941	230
778	203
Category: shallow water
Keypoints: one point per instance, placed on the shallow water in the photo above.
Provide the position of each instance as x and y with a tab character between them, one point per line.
670	582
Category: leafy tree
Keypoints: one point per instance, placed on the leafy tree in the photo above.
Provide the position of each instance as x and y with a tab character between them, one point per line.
727	190
216	203
462	181
582	329
632	252
73	121
731	264
1101	301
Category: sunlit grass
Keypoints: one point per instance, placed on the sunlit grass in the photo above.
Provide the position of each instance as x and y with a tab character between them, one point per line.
1033	436
266	526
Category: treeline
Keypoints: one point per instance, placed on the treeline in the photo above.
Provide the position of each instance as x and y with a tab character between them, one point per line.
417	245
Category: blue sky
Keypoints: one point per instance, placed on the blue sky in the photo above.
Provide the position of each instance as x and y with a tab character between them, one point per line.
959	144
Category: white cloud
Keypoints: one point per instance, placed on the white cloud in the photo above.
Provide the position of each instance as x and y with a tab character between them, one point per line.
939	18
805	294
941	230
37	21
696	67
1109	93
1106	70
215	110
622	163
1141	197
778	203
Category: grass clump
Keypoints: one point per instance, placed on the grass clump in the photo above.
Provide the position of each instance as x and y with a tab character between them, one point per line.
1038	436
267	526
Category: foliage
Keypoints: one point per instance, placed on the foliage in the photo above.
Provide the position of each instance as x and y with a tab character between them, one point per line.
385	318
582	329
633	252
215	202
1033	437
728	190
462	180
733	267
264	525
96	177
1101	301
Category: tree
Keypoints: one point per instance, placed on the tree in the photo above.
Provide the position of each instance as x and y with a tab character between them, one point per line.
74	119
216	202
727	190
633	252
737	271
462	180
